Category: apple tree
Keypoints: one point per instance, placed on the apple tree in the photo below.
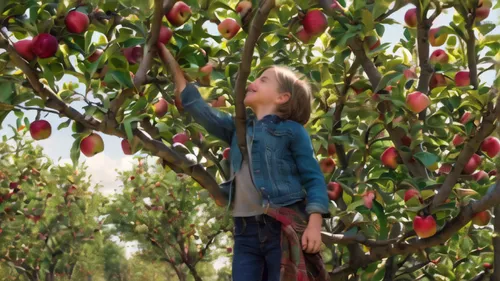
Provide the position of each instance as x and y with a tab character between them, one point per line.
178	226
48	213
406	138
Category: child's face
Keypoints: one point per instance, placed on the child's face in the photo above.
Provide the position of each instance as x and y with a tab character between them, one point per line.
263	92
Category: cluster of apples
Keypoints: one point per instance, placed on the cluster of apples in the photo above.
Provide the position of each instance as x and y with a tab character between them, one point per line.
45	45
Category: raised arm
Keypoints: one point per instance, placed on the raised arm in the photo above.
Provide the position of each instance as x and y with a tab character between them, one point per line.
217	123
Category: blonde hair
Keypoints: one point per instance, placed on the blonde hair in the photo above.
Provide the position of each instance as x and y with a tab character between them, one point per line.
298	107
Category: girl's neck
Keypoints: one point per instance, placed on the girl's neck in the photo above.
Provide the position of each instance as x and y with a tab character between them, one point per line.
262	111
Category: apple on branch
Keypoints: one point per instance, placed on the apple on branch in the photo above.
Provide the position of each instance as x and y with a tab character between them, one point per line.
95	55
327	165
165	35
45	45
482	218
389	158
424	226
411	17
483	9
40	130
491	146
77	22
315	22
437	80
24	49
462	78
225	153
439	56
302	34
180	138
179	13
439	40
243	8
228	28
133	54
160	108
417	101
412	193
472	164
92	145
334	190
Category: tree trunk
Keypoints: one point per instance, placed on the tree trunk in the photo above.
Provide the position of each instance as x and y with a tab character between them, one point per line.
180	274
194	272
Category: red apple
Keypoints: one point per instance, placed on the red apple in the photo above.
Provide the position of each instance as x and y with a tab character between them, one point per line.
180	138
40	129
160	108
315	22
462	79
228	28
91	145
45	45
389	158
409	74
437	80
466	118
302	34
480	177
417	102
486	265
439	56
24	49
179	13
14	185
445	169
127	149
437	41
491	146
327	165
424	226
133	54
483	10
457	140
482	218
492	173
243	8
229	250
472	164
411	17
95	55
331	150
77	22
368	198
165	35
406	140
225	153
410	193
334	190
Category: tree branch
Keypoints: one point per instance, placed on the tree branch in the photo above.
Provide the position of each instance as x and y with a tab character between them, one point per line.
244	71
487	127
38	109
150	50
471	50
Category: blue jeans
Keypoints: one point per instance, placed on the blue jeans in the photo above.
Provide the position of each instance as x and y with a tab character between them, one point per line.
257	249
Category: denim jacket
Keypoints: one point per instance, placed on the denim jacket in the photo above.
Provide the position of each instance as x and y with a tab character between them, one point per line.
282	162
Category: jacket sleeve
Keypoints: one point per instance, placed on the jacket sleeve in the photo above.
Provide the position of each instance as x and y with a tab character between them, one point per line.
311	177
217	123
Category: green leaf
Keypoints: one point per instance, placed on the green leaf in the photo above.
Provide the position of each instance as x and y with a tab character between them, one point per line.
367	19
122	77
6	92
380	7
426	158
388	77
6	106
75	151
64	124
382	220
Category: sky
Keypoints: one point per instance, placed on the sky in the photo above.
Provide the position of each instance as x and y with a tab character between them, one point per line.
103	166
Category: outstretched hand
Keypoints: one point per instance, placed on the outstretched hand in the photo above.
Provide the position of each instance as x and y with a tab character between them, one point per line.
311	238
174	68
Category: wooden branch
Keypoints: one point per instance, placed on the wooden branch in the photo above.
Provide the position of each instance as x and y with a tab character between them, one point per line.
492	198
38	109
337	115
145	65
244	71
158	148
426	69
416	168
487	126
471	50
329	238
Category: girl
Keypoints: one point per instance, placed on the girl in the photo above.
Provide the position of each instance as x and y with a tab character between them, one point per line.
279	194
